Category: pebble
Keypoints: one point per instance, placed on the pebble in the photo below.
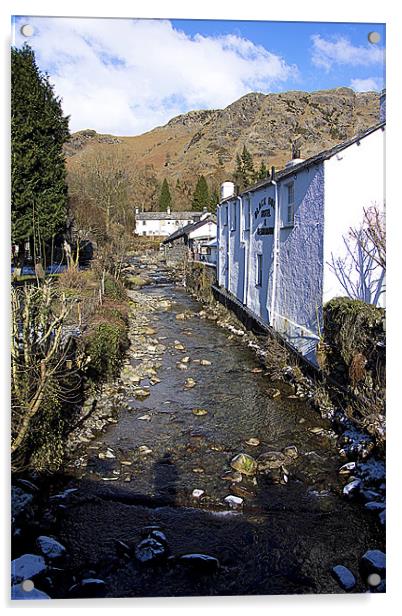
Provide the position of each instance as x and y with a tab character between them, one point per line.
352	488
233	476
197	493
272	392
88	588
190	383
254	442
198	470
373	561
144	450
205	362
150	551
344	577
244	463
199	412
233	501
50	548
199	563
347	468
144	418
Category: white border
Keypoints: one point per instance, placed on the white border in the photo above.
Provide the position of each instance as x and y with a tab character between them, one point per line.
305	10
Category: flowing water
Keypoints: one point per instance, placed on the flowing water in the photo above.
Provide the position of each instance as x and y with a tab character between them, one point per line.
284	538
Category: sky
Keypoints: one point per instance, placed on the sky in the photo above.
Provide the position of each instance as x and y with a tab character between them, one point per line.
127	76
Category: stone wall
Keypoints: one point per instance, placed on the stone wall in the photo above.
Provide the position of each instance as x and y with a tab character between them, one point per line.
199	279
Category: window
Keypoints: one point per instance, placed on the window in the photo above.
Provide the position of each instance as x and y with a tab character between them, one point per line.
144	233
233	216
259	271
290	204
144	222
225	215
247	206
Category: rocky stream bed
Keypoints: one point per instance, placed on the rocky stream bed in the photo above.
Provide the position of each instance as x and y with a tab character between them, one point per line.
194	474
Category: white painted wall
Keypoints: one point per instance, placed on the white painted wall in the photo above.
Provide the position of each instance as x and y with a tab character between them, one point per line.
207	231
354	180
159	227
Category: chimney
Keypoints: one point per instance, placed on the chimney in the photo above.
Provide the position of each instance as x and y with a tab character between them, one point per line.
168	210
137	210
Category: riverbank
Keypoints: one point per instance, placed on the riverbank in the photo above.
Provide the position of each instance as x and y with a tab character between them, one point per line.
191	397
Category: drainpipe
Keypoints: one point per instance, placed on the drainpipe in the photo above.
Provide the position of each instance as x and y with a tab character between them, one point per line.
241	230
228	254
250	234
276	255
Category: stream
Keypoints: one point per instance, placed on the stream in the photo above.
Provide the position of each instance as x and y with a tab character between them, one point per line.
204	400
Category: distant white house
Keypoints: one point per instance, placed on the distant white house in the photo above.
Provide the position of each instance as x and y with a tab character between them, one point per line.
162	224
189	239
276	239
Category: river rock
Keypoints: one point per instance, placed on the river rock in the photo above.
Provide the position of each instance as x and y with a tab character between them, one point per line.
270	460
372	472
26	567
233	501
374	506
88	588
50	548
159	535
181	316
144	418
181	366
233	476
253	442
190	383
141	394
197	493
373	561
19	594
199	563
179	347
199	412
150	551
198	470
144	450
344	577
205	362
290	451
244	463
21	506
352	488
347	468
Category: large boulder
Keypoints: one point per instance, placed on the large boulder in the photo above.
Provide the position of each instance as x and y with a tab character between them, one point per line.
50	548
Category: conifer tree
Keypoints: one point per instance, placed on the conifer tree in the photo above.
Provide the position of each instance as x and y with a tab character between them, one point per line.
262	172
165	198
244	174
38	131
201	197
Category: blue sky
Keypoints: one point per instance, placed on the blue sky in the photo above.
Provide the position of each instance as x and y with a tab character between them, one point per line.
127	76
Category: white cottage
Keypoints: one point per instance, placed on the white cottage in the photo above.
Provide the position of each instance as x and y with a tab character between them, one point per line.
162	224
191	238
276	239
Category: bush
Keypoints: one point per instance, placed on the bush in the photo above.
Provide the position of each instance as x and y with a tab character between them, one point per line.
115	288
105	346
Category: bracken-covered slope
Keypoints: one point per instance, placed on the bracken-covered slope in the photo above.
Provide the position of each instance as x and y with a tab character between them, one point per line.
206	142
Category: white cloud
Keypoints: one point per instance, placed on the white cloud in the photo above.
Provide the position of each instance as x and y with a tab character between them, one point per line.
339	50
127	76
366	85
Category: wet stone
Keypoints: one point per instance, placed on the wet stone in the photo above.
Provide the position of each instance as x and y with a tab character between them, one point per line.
18	593
88	588
199	563
344	577
50	548
271	460
244	463
254	442
233	501
352	488
26	567
373	561
374	506
150	551
233	476
290	452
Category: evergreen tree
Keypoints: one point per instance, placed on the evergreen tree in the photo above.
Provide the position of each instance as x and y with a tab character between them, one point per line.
262	172
244	174
38	175
214	200
165	199
201	197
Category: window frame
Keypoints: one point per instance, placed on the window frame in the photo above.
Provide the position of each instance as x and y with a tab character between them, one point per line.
233	218
289	206
259	270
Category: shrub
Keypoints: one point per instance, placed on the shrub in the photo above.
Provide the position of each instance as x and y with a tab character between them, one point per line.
105	346
115	288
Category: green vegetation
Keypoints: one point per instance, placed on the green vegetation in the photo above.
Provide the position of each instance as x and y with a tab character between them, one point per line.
165	198
244	173
38	177
201	196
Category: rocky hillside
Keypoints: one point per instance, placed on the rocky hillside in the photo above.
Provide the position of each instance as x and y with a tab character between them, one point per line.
206	142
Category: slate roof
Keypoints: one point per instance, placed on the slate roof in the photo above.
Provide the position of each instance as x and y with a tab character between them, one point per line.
313	160
192	226
166	216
